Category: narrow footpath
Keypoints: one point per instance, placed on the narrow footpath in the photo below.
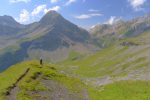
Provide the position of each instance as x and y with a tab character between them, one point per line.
13	90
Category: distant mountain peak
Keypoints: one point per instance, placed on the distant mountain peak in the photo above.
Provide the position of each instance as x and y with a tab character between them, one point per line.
52	12
9	21
7	17
51	17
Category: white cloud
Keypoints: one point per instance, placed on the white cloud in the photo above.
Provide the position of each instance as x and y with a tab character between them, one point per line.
70	2
83	16
95	14
55	8
137	4
87	16
24	16
112	20
16	1
54	1
38	10
93	10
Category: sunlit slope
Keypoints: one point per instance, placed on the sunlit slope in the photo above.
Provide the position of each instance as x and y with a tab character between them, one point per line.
9	77
127	59
46	83
40	83
124	90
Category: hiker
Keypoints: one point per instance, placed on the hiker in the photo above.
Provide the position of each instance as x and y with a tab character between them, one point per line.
41	61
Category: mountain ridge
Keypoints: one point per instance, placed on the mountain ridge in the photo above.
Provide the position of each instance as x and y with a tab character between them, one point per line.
108	34
58	37
9	26
53	40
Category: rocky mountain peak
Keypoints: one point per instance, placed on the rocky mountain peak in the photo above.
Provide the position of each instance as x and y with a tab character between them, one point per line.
51	17
8	21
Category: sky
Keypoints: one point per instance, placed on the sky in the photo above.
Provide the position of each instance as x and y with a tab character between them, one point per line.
84	13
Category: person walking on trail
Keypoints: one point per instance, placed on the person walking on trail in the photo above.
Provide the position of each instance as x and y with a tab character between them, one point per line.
41	61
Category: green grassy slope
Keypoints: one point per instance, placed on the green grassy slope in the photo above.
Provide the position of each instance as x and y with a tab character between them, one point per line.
124	90
125	68
117	72
32	86
9	77
36	82
116	60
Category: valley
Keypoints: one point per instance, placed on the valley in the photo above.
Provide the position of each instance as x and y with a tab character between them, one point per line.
100	64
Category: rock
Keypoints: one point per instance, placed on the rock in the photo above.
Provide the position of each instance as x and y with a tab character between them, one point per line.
128	44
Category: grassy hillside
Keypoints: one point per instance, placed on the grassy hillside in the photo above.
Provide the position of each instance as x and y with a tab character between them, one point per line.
127	59
124	90
46	83
7	78
120	71
40	82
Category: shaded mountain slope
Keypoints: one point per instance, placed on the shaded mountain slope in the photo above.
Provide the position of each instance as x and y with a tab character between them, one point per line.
8	26
52	38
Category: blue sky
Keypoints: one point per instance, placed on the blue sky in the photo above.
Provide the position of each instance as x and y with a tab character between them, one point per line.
84	13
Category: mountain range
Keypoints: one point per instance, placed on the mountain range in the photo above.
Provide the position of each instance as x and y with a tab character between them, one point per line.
52	38
108	62
107	33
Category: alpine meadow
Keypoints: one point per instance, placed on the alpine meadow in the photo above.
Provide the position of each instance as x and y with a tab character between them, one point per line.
75	50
